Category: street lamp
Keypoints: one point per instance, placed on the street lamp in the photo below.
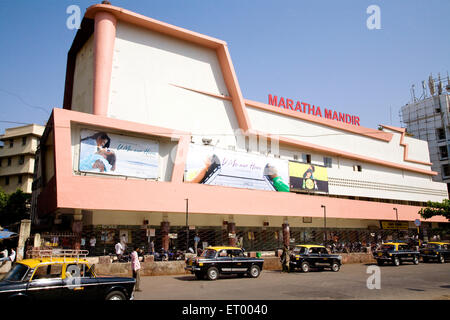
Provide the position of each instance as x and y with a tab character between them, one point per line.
396	222
187	224
325	221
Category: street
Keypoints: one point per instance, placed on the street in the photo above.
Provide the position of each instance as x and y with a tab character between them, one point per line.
408	281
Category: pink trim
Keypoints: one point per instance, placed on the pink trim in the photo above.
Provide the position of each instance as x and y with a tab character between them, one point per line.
368	132
405	145
155	25
104	37
234	90
180	158
219	96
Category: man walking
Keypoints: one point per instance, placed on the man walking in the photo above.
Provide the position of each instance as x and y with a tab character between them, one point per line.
136	266
285	259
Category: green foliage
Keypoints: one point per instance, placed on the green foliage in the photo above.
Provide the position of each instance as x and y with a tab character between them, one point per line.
436	209
14	207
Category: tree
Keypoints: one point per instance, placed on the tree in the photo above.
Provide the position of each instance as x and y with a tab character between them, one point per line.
436	209
14	207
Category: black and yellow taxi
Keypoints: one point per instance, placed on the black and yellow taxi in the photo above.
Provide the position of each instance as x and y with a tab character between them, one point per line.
439	251
307	256
215	261
61	278
396	253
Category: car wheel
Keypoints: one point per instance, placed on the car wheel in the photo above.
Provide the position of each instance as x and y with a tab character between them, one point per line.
396	261
254	271
441	259
305	266
115	295
199	275
212	273
416	260
335	267
380	262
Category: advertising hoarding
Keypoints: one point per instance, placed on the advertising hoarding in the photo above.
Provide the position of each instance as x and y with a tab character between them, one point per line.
114	154
213	166
308	177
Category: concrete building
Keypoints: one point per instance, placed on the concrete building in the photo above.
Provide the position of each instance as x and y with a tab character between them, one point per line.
428	119
17	157
155	140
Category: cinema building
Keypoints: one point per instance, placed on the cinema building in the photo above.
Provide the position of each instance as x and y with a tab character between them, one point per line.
155	140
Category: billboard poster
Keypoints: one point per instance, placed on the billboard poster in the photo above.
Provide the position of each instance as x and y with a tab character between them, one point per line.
308	177
212	166
114	154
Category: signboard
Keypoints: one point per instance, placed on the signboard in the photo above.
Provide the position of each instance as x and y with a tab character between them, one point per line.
150	232
212	166
307	177
296	105
173	235
394	225
113	154
417	222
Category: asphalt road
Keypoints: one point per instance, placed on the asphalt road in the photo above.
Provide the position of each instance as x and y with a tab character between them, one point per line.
430	281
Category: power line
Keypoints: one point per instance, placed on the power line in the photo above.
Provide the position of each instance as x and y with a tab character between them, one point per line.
24	102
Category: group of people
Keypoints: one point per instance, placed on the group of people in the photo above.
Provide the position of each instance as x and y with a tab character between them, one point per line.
4	256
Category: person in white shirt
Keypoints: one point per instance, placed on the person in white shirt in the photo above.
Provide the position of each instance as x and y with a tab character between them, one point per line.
92	243
12	256
119	250
4	256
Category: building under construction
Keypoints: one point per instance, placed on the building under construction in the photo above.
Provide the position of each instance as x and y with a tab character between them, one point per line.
427	118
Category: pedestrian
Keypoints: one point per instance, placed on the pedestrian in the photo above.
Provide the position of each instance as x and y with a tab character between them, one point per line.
119	250
285	259
83	243
136	266
152	247
92	243
5	256
12	255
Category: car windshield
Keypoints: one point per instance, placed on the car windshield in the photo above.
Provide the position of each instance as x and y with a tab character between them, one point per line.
16	273
210	253
387	247
433	246
299	250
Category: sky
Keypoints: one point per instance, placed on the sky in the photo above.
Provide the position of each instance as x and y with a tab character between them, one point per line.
319	52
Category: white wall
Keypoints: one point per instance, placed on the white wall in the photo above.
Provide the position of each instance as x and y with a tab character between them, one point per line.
83	80
333	138
146	64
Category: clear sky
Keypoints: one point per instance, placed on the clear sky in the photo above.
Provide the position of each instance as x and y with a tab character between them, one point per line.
320	52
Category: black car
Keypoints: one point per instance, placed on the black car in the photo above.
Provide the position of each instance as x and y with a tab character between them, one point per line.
223	260
439	251
396	253
62	279
305	257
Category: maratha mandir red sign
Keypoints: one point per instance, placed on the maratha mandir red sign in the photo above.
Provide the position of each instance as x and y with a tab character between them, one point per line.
312	109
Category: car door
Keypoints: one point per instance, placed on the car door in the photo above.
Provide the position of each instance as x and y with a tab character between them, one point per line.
79	282
224	261
46	282
241	263
313	256
324	257
405	253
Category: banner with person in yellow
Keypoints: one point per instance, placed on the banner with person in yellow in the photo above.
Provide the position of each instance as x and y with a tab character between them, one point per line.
307	177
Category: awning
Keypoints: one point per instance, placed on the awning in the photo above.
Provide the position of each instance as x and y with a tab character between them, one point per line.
5	234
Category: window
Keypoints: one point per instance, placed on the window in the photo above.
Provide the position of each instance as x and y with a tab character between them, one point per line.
443	152
21	159
440	134
9	162
1	162
51	271
24	141
446	170
11	143
357	168
19	180
306	158
78	270
437	110
327	162
295	157
6	181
